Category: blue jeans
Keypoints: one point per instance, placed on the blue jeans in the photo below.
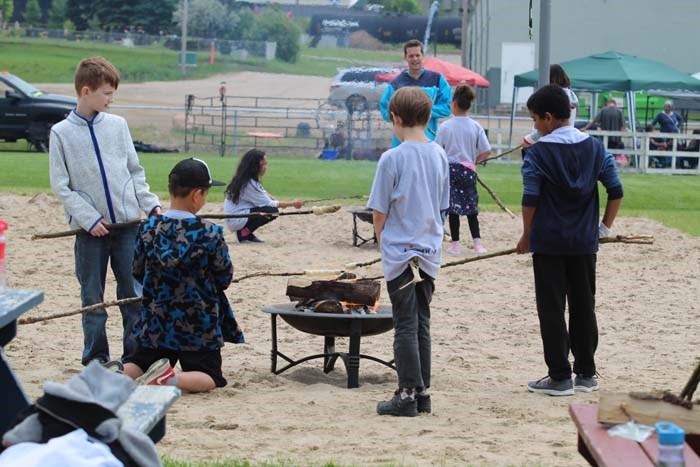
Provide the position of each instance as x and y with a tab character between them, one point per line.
411	315
92	254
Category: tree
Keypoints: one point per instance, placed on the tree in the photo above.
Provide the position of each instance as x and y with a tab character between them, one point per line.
205	18
57	14
155	16
32	15
6	10
274	25
80	12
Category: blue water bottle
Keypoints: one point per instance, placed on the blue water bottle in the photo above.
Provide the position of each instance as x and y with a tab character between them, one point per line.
671	442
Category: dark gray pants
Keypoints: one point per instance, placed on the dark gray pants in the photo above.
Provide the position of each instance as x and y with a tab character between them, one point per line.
411	314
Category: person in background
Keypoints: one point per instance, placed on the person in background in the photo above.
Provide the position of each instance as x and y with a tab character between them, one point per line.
669	122
465	144
433	83
560	210
557	75
245	194
609	119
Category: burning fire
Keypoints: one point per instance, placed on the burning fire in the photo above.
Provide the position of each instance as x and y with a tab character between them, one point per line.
371	309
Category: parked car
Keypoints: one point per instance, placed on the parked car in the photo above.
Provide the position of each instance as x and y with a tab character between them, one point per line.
358	88
27	113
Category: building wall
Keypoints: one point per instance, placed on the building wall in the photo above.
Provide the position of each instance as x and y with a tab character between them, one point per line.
664	30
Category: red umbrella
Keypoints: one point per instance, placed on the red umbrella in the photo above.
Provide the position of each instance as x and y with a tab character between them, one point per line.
454	74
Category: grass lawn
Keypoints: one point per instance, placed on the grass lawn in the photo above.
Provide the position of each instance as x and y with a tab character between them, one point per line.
671	200
51	61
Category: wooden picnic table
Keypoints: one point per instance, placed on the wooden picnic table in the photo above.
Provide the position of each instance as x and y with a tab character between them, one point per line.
601	449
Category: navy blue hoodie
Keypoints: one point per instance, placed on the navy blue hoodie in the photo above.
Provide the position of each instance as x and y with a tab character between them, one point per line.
560	179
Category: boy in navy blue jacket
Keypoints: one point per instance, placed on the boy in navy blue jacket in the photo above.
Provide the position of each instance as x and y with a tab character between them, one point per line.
560	227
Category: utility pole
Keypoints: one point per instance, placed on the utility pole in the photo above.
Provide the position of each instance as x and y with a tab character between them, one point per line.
468	9
545	42
183	45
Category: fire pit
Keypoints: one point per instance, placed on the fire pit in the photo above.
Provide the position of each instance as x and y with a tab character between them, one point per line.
331	325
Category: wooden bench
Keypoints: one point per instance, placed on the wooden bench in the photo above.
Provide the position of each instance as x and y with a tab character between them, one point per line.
601	449
364	215
144	410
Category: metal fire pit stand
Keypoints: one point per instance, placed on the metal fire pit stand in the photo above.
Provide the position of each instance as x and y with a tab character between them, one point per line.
330	326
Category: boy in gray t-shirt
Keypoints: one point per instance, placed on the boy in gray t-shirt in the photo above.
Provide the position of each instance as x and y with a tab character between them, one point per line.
410	189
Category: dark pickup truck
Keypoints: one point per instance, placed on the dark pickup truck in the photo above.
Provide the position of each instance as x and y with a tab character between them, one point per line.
27	113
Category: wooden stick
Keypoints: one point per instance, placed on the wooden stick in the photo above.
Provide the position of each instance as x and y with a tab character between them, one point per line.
338	197
362	264
317	210
510	151
69	233
495	198
38	319
637	239
692	384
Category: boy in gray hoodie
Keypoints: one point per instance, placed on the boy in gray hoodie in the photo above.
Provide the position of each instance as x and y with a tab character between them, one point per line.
95	172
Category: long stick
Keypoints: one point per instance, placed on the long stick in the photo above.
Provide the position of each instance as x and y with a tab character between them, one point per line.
123	301
637	239
510	151
317	210
495	198
337	197
69	233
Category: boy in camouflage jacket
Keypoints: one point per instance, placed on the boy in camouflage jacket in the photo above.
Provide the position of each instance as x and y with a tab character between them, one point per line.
184	266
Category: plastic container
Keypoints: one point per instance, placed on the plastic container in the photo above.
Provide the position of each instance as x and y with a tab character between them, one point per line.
329	154
671	443
3	240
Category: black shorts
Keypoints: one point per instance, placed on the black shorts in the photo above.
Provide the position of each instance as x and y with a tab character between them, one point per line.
206	361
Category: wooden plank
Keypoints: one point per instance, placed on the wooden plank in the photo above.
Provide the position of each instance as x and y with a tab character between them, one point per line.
14	302
146	406
651	447
606	450
614	408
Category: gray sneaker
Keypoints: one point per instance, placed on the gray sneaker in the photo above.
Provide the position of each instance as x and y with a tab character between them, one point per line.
552	387
586	383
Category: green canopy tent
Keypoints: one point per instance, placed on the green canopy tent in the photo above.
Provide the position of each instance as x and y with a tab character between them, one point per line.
614	71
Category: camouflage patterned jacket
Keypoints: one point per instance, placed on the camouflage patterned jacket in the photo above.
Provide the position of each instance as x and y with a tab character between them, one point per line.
184	267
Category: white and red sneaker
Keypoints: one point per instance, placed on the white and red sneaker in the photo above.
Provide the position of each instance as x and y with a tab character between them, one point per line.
157	374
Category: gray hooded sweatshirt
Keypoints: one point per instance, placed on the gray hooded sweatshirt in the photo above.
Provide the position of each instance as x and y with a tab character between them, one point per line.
95	171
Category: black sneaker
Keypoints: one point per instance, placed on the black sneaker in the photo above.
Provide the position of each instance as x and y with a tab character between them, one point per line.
240	237
552	387
586	383
422	402
253	239
396	406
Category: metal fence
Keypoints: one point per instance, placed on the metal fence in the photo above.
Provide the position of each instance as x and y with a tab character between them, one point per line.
241	49
291	126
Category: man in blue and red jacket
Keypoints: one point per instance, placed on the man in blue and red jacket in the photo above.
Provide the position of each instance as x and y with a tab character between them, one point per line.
433	83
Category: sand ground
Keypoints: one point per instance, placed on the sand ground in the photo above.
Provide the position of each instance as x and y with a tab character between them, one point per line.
486	346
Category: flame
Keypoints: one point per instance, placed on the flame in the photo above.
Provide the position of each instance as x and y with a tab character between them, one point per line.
371	309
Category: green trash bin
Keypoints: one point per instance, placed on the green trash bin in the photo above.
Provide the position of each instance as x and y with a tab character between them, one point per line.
190	58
